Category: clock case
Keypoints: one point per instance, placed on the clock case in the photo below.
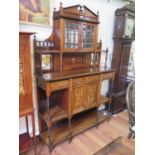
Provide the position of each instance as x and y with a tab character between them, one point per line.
121	54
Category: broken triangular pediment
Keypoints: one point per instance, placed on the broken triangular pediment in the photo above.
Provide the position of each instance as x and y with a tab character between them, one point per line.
80	10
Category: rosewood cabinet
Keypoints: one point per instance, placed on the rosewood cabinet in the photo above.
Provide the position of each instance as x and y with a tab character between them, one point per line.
123	38
69	77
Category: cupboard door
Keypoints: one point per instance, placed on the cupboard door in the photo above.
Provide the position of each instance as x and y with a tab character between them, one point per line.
71	35
91	95
123	70
88	36
78	98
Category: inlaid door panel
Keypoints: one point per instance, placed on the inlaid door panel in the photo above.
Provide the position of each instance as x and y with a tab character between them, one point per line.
78	98
91	95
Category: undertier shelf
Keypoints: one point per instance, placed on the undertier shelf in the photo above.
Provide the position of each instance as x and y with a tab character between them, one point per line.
104	99
56	113
78	125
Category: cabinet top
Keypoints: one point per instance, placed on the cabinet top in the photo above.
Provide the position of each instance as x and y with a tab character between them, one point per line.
27	33
76	12
54	76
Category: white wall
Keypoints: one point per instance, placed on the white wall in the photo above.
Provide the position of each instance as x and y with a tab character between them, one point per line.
106	14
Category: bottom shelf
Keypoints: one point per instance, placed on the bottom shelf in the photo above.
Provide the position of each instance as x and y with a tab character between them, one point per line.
78	124
25	142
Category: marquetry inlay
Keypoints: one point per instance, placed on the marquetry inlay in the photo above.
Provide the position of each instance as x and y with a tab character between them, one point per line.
21	76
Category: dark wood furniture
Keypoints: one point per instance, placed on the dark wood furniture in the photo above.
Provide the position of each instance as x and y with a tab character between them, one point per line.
123	38
25	91
68	75
120	146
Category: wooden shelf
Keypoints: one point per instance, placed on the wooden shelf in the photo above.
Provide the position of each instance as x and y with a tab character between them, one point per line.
56	113
82	51
104	100
79	124
47	51
25	142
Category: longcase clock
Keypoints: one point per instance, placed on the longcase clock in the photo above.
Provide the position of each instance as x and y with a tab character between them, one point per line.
123	38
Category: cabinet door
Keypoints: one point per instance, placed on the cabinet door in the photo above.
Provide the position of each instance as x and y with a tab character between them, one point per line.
123	70
88	35
71	35
91	95
78	98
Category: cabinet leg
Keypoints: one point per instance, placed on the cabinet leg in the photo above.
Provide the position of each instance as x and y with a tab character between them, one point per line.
27	124
34	136
50	148
69	131
96	118
49	140
49	127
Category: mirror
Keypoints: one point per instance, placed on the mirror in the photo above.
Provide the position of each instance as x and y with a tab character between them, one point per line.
46	61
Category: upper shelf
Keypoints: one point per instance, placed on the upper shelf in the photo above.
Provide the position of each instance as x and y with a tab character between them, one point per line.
48	47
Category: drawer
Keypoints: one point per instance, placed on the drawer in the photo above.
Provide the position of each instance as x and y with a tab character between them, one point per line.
108	76
59	85
92	78
78	81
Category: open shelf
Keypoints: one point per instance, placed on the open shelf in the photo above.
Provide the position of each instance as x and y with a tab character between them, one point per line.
25	142
47	51
104	99
56	113
79	124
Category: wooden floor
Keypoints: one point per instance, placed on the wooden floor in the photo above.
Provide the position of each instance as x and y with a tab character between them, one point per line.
91	140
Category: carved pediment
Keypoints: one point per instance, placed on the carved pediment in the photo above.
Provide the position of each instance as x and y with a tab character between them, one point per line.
80	10
77	12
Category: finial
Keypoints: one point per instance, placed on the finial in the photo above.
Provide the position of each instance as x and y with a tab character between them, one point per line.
34	37
54	9
80	8
98	13
61	8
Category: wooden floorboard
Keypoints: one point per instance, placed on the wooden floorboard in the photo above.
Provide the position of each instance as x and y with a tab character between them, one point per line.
91	140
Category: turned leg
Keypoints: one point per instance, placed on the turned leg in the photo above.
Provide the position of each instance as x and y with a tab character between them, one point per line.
69	129
97	118
27	124
49	140
34	136
49	126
